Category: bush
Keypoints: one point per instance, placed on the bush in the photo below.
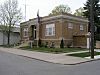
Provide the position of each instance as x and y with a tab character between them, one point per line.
39	43
46	45
62	44
98	37
52	45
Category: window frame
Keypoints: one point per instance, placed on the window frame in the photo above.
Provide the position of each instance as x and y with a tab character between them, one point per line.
70	25
50	30
25	34
81	27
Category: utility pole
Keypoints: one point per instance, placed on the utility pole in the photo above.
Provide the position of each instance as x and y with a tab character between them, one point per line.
92	27
38	27
37	34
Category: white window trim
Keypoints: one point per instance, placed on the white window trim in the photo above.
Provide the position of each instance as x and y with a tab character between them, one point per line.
81	27
52	26
70	25
25	30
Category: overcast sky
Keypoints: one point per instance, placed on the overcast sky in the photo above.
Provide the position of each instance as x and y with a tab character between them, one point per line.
46	6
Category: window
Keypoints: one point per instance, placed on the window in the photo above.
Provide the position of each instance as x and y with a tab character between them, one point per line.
70	25
25	32
50	30
81	27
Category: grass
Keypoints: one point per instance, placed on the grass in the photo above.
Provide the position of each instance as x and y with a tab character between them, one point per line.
85	54
53	50
6	46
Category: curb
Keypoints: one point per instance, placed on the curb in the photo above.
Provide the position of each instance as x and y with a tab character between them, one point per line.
54	62
83	62
59	63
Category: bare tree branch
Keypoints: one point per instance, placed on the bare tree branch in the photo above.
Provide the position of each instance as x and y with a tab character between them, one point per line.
10	15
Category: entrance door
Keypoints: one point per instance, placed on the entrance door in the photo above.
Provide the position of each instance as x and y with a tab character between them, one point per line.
33	32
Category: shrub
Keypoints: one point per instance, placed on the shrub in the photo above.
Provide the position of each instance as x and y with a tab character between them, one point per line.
98	37
62	44
52	45
46	45
39	43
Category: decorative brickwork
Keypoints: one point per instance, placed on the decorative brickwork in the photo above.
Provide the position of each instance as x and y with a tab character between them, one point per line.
72	35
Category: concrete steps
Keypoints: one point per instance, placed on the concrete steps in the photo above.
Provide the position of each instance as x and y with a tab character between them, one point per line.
22	45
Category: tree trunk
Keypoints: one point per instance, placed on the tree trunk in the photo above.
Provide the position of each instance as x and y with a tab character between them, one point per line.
8	38
9	35
3	37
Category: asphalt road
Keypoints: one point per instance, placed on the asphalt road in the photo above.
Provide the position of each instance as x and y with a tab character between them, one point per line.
11	64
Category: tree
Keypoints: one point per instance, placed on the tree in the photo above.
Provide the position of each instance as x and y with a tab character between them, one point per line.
39	43
10	15
60	9
96	12
62	44
79	12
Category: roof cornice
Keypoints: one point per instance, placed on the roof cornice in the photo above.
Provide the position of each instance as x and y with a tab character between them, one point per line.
65	17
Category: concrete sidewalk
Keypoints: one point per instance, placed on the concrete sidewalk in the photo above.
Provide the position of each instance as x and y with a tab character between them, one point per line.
47	57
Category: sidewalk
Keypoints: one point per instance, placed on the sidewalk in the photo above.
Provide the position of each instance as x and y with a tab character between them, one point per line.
97	56
47	57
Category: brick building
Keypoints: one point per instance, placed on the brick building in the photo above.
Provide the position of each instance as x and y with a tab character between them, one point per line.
52	29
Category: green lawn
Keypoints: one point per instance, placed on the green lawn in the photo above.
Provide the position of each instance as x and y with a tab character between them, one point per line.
6	46
53	50
85	54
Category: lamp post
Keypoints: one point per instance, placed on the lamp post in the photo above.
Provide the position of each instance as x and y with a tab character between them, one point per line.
92	27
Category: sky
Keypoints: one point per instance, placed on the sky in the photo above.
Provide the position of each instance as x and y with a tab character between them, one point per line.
45	6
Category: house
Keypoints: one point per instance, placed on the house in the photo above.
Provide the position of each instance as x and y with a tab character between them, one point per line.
14	36
52	29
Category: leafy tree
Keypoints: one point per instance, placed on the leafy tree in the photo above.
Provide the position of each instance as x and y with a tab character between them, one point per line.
10	15
62	44
60	9
79	12
96	12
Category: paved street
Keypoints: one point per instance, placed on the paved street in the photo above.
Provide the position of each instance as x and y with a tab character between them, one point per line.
11	64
